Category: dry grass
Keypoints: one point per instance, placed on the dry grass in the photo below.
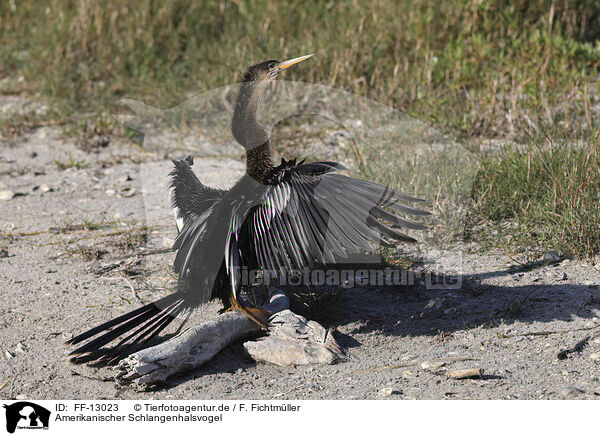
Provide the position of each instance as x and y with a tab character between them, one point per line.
471	68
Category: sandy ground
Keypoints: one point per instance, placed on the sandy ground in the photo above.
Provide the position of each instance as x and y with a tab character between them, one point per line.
60	277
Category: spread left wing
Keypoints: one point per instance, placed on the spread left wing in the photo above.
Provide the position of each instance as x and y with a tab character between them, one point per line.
311	215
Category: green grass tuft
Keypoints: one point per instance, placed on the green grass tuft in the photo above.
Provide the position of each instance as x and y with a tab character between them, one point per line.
548	192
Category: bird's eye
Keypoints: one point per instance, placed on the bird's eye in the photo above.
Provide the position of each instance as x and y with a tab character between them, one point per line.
272	65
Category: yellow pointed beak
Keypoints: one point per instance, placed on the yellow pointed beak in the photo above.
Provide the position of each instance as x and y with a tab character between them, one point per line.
286	64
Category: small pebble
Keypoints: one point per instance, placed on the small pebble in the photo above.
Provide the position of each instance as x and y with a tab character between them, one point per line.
595	356
407	374
99	141
385	392
110	192
21	397
128	192
551	256
427	364
21	347
570	392
6	195
45	188
596	340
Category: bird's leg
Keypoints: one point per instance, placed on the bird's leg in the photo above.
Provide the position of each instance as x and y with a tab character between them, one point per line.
259	316
278	301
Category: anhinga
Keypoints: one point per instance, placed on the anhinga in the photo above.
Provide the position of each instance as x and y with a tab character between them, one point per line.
288	217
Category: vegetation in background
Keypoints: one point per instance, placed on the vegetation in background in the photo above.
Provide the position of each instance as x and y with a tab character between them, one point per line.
470	67
504	69
544	195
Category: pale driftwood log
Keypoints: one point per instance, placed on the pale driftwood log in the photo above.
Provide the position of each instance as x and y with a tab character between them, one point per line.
294	340
189	349
291	340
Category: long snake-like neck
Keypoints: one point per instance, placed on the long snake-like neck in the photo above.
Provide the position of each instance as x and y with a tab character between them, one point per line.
249	133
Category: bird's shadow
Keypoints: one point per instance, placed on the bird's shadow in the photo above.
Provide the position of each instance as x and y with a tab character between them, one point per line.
406	311
419	311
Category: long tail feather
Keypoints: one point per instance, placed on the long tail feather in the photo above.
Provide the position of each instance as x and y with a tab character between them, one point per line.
146	322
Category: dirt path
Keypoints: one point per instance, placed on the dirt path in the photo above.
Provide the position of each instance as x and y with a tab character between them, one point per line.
74	252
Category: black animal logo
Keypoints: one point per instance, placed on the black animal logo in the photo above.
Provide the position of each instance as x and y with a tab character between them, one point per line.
29	414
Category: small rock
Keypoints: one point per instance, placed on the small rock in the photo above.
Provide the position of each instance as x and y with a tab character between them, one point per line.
590	324
428	364
407	374
385	392
110	192
6	195
99	141
128	192
596	340
3	253
45	188
21	347
595	356
551	256
570	392
21	397
8	354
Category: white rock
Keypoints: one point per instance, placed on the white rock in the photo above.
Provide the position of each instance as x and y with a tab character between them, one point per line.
595	356
428	364
385	392
6	195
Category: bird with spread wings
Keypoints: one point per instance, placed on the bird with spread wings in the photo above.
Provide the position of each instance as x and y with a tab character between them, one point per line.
276	218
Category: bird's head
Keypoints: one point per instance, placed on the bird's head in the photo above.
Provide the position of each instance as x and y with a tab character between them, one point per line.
268	70
244	126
